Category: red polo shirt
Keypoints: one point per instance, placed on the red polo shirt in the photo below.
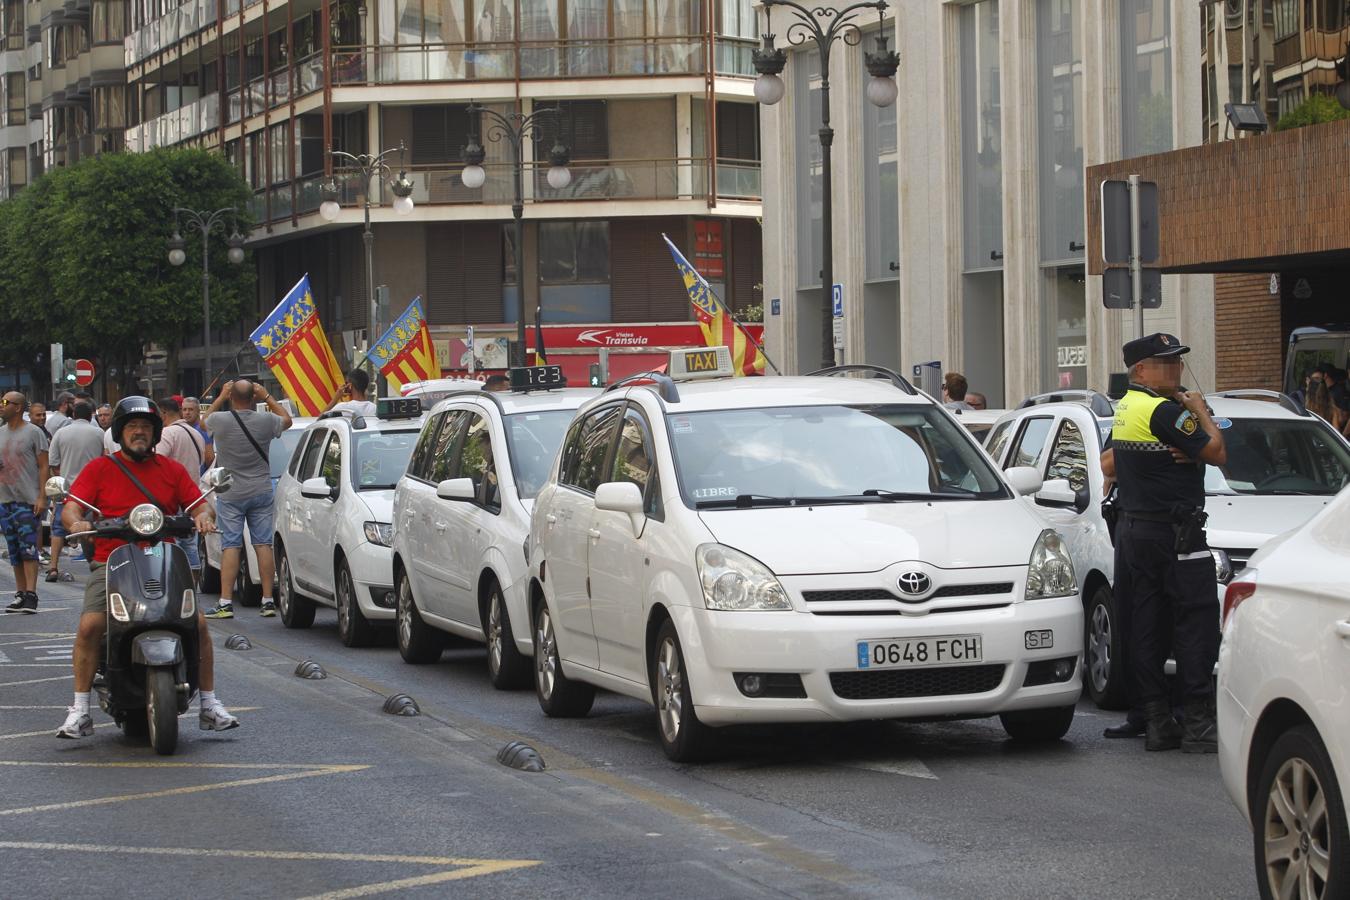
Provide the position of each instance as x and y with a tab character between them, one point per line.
105	488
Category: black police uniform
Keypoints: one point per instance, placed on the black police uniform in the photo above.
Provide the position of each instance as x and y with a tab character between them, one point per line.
1162	560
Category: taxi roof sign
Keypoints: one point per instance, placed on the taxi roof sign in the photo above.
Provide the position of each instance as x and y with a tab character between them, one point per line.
702	362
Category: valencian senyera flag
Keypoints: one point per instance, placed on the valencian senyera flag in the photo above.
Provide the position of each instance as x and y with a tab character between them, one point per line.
405	352
296	349
719	329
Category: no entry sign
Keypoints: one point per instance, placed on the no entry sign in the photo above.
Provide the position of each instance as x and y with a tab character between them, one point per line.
84	372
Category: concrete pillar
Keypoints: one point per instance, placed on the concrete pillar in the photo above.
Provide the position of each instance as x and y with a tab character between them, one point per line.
684	145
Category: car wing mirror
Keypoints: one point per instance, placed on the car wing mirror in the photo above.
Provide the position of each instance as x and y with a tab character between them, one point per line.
457	489
623	497
317	488
1057	492
1025	480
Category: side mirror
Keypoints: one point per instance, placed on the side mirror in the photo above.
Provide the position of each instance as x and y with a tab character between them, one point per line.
56	486
317	489
1024	479
219	480
1057	492
457	489
623	497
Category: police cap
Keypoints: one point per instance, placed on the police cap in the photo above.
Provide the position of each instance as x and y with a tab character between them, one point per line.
1158	344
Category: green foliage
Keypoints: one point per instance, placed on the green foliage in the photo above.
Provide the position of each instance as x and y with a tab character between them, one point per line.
1317	109
84	255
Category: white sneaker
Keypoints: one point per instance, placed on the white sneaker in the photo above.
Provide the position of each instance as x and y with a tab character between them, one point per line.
217	718
77	725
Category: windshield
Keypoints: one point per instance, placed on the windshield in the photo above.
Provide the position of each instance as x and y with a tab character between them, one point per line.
1279	456
785	455
280	450
380	458
533	440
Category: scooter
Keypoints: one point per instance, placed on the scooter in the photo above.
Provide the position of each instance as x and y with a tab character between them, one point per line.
150	650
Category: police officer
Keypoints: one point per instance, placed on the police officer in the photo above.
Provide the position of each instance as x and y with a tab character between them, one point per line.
1162	559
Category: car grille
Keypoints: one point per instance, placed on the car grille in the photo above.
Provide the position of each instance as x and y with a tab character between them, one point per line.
890	684
847	596
973	590
948	590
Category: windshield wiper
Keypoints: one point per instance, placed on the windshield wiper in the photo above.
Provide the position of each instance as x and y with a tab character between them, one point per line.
748	501
903	496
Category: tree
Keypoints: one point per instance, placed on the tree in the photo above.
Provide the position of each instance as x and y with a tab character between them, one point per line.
1317	109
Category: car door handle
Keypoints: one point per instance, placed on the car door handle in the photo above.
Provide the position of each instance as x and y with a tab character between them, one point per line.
1343	628
441	526
551	519
594	533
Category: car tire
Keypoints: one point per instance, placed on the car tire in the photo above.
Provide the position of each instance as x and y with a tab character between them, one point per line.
1298	757
354	629
210	574
295	611
246	591
559	696
1104	651
1038	725
418	642
683	737
508	668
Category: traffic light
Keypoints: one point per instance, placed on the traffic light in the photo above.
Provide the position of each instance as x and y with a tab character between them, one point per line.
597	380
69	367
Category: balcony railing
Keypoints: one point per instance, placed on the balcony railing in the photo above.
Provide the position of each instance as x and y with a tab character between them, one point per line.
189	18
633	179
176	126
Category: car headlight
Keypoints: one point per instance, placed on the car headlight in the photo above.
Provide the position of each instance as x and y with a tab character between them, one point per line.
1223	566
146	519
379	533
1050	570
734	581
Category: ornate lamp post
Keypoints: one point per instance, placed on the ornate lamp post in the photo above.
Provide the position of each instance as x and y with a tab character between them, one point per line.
205	222
824	26
513	129
371	166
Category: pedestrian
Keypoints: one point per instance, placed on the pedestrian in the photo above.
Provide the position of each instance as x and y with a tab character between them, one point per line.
977	400
59	414
1160	542
242	435
103	416
180	442
497	383
1318	400
23	475
352	398
72	448
954	388
1339	392
37	414
192	414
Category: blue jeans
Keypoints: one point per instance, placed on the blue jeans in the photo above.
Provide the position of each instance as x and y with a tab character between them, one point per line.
189	546
231	515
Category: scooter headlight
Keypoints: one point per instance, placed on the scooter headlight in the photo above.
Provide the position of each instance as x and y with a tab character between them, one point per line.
118	607
189	608
146	519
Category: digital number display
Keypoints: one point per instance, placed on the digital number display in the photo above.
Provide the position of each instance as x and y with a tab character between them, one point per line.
537	378
398	407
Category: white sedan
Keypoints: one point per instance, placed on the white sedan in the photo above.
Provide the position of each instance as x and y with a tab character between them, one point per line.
1284	706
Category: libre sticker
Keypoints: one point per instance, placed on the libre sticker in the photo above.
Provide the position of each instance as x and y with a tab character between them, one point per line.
682	425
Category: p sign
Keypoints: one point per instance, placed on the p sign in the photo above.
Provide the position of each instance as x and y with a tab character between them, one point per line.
84	372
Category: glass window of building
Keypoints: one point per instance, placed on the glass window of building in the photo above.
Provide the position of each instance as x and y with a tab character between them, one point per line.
630	54
539	37
1059	89
676	24
881	186
16	169
587	31
1146	76
805	69
573	252
981	142
738	31
16	100
14	36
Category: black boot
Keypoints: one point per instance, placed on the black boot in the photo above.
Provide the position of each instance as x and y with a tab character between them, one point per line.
1200	731
1133	726
1162	732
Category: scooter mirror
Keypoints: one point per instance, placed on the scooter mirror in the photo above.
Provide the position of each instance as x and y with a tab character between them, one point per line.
56	487
219	480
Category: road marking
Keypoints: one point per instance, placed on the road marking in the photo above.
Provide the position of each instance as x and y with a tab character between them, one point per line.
912	767
24	734
3	657
34	665
465	868
32	634
32	707
34	681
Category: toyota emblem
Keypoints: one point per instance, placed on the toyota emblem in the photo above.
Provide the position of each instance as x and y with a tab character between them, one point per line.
915	583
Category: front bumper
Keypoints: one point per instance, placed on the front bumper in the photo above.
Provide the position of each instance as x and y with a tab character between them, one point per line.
719	644
372	568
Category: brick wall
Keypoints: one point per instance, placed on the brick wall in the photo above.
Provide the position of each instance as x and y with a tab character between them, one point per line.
1248	336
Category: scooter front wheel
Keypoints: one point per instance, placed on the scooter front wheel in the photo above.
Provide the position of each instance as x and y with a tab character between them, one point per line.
161	710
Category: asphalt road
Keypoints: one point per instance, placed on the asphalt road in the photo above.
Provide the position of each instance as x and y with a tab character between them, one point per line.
321	794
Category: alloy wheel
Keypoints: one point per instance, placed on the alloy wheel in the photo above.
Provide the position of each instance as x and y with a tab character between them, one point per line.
344	600
670	689
494	631
1099	648
404	614
284	587
1297	833
545	654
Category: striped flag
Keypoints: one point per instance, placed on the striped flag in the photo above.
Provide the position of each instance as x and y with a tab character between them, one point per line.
719	329
296	349
405	352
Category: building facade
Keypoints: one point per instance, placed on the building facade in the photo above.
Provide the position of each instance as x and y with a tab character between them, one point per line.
654	101
959	213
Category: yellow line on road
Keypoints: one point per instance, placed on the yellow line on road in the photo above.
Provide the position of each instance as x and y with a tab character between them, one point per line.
484	867
175	792
34	681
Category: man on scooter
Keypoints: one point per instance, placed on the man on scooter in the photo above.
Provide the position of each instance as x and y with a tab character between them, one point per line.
102	486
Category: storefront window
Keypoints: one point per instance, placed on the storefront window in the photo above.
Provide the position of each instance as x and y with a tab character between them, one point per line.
981	143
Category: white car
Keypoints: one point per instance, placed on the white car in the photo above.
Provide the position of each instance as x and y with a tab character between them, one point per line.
1284	729
796	549
1284	466
461	517
247	586
334	519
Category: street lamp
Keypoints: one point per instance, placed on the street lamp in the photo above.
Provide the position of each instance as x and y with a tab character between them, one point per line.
205	222
513	129
371	166
824	26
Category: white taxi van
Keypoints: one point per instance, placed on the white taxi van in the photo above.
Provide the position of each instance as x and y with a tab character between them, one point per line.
795	550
